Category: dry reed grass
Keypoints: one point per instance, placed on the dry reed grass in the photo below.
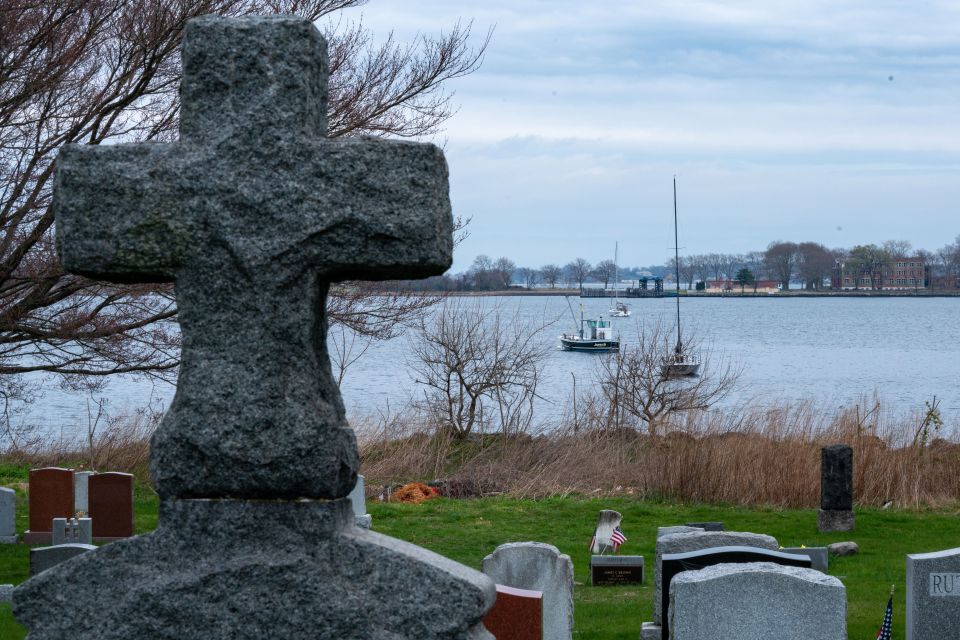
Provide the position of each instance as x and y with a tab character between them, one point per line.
751	456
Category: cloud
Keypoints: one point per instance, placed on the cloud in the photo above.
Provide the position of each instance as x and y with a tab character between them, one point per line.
781	118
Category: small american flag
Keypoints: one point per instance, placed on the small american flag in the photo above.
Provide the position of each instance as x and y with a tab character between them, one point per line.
617	538
885	630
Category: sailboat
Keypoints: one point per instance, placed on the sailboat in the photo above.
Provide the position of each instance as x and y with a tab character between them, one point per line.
680	362
620	309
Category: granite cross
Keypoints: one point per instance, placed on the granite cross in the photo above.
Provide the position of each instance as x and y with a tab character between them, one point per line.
251	214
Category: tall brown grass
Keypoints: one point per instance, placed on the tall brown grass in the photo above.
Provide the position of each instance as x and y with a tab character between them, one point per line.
749	456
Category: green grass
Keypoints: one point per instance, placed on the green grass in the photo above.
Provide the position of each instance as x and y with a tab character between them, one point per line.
467	530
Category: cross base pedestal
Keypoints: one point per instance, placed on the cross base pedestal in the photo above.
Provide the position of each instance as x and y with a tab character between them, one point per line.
245	570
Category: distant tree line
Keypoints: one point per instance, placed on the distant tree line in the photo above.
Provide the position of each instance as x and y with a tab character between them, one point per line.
809	264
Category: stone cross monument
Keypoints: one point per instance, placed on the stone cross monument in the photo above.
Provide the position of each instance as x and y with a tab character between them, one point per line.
251	214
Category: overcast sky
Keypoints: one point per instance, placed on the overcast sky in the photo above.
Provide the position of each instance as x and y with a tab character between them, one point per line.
835	122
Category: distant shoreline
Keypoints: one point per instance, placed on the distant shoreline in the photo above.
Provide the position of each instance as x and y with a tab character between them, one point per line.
729	294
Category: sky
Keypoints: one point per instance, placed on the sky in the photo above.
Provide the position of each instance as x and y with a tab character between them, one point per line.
835	122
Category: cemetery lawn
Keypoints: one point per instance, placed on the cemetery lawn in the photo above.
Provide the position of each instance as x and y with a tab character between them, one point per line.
467	530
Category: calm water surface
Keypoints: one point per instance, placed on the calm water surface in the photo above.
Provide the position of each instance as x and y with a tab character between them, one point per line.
832	350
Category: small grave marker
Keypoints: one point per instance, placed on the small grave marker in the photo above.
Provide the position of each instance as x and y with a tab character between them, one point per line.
43	558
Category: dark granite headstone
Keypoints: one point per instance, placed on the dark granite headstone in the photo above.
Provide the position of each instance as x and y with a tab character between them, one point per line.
43	558
606	571
252	213
707	526
110	499
674	563
50	496
836	478
516	615
836	489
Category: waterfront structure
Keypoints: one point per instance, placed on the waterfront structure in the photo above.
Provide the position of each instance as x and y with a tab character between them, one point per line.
896	274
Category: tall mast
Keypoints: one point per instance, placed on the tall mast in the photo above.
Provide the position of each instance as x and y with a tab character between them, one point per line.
676	262
616	273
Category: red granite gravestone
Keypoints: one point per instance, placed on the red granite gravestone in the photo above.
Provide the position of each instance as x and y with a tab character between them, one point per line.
111	505
516	615
50	496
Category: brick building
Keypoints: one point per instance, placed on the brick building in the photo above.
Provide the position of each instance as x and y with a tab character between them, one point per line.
899	273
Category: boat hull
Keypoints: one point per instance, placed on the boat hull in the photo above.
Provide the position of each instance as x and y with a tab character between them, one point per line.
594	346
680	369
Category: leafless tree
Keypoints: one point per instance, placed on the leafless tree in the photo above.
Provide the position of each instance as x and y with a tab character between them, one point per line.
637	386
551	274
605	271
781	260
107	71
578	271
530	277
814	264
480	368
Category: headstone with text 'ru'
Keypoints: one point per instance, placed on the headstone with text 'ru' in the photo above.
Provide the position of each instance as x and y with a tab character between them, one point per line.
252	214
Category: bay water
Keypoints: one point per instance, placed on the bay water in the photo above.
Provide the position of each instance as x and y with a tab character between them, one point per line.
831	351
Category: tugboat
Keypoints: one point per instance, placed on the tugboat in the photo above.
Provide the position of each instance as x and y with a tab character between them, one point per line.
594	336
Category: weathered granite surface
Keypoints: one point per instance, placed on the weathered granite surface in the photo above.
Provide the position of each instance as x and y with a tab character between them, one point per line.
683	542
820	556
757	601
835	520
269	569
666	531
45	558
841	549
540	567
251	214
8	515
933	595
836	478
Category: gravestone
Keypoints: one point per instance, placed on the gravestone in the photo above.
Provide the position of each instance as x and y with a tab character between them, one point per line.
836	489
757	601
667	531
81	491
6	592
933	595
72	531
607	521
609	571
819	556
358	501
252	214
516	615
50	496
44	558
539	567
684	542
8	515
111	505
674	564
707	526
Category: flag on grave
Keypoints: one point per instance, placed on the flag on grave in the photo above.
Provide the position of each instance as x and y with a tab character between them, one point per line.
885	629
617	538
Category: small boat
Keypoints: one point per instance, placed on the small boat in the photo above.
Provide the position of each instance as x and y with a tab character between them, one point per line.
619	310
595	336
680	363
